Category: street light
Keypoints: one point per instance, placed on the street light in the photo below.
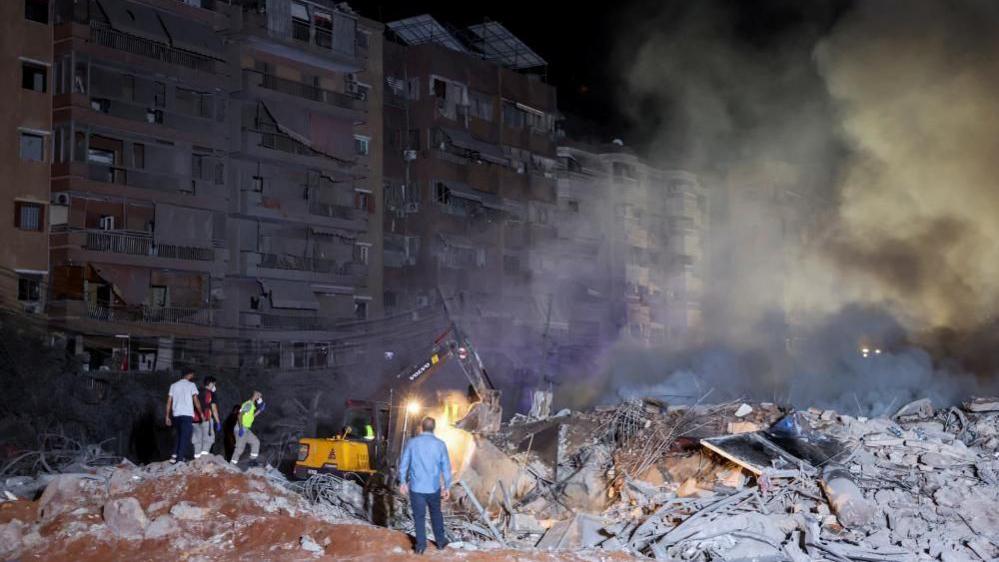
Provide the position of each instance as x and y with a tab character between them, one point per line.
412	408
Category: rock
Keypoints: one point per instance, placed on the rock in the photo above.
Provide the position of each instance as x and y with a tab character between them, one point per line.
162	526
744	410
59	496
186	511
310	545
122	480
32	539
125	518
11	538
828	415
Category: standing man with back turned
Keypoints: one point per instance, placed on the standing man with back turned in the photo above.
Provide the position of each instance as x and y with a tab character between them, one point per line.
182	402
424	464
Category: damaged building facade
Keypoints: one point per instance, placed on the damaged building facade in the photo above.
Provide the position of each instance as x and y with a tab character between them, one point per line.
211	182
256	186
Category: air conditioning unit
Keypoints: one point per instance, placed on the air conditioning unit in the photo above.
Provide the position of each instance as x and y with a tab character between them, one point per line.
60	198
412	207
106	223
409	155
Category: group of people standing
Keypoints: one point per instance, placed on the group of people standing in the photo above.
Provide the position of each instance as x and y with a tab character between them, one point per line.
194	415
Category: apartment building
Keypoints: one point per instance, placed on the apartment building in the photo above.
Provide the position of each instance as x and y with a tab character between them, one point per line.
304	235
211	181
654	223
469	181
25	152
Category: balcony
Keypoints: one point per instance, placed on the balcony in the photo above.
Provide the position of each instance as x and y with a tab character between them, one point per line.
142	245
151	314
306	91
336	211
102	34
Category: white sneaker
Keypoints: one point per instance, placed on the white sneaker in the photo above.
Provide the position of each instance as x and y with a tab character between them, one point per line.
197	455
234	461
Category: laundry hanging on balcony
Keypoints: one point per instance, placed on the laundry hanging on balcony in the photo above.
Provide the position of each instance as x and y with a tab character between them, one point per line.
182	226
130	284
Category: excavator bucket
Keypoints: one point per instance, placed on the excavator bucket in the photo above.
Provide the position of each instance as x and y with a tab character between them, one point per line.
484	416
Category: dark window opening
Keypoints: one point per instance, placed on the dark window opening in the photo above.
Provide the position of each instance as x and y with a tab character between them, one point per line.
28	289
574	206
138	156
443	194
36	10
33	77
361	310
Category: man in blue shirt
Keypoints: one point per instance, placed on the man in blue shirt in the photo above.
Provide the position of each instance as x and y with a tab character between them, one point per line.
424	463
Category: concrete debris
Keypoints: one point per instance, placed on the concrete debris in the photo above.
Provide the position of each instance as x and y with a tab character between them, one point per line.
310	545
982	404
125	518
162	526
743	411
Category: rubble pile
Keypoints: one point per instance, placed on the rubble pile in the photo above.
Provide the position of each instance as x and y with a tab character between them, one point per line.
750	482
204	511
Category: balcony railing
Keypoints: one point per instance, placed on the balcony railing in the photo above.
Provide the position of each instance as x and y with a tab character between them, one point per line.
102	34
310	92
336	211
142	245
151	314
297	263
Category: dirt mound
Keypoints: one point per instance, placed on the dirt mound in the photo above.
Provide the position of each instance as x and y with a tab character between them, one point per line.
206	510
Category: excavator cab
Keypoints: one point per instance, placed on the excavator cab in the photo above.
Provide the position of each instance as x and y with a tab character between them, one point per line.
359	448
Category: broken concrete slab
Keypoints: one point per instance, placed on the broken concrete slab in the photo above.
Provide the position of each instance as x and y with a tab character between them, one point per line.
125	518
980	404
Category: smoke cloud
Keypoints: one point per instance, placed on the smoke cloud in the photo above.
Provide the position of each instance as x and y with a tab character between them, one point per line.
851	151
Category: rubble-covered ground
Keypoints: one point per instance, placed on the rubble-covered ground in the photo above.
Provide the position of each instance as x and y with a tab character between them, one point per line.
640	480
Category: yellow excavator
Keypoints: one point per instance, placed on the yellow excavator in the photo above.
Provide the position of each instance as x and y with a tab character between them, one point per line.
374	432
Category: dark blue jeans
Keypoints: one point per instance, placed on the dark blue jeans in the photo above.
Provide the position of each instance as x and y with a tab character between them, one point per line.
420	503
185	431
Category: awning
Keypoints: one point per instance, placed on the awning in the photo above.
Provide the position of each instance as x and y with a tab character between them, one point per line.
130	284
190	36
464	191
134	19
331	135
290	294
290	121
182	226
487	151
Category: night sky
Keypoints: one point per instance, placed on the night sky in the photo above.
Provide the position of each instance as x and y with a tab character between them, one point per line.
584	42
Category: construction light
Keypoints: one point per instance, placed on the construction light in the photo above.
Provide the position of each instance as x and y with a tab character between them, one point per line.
413	407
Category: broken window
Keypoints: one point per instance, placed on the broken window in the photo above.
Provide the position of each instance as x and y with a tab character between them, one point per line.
33	77
361	310
158	296
439	88
324	28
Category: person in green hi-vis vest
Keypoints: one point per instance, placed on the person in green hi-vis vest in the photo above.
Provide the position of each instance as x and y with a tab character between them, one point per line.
248	413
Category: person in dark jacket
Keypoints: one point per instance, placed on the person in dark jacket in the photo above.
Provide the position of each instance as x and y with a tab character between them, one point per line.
229	430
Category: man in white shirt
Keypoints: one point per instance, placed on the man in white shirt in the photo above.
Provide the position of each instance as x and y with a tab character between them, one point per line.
182	401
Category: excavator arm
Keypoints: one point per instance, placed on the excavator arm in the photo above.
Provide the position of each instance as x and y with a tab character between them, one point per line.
486	414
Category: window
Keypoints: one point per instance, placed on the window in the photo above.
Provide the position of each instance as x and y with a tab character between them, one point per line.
159	94
389	298
29	289
36	10
324	28
361	145
29	216
363	201
574	206
481	106
80	77
300	21
100	156
361	253
154	116
32	147
443	193
193	103
258	184
138	156
361	39
197	165
158	296
361	310
128	87
439	88
33	76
